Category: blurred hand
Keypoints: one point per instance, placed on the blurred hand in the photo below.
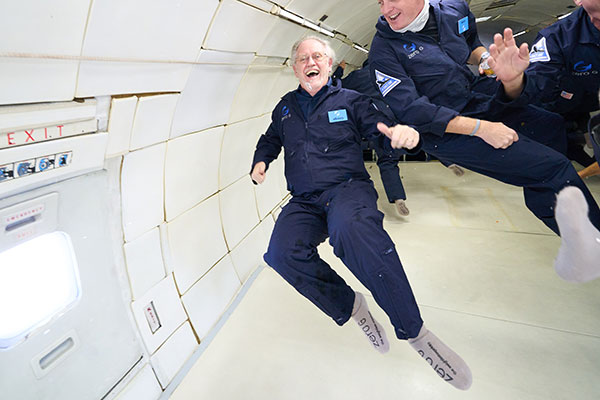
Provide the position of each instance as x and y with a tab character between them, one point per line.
343	64
400	135
258	172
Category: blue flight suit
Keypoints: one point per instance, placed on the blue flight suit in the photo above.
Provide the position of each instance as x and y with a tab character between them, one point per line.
387	159
426	83
565	67
333	196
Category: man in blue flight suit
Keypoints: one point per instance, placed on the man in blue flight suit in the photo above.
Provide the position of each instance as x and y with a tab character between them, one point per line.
565	66
387	159
418	58
320	127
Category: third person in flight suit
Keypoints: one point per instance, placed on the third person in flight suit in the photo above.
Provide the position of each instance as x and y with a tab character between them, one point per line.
418	58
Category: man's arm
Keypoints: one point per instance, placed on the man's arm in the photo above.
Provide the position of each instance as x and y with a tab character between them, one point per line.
267	149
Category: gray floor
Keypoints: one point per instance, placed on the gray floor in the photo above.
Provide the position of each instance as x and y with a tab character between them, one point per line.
481	268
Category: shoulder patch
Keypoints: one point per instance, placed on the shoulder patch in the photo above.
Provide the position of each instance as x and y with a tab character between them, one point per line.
539	51
385	83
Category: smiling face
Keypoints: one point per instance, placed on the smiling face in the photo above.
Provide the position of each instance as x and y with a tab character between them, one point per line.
592	8
312	65
400	13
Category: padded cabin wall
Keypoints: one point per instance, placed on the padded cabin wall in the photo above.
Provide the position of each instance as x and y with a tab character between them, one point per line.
191	85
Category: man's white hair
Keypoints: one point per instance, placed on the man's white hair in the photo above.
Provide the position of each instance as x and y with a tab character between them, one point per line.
329	52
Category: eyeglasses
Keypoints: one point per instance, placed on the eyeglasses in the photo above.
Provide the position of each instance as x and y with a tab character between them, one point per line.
302	59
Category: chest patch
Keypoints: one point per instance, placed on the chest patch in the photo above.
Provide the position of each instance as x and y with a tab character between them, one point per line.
539	51
463	25
385	83
337	116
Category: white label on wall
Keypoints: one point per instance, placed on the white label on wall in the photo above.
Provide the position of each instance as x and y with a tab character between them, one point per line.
152	317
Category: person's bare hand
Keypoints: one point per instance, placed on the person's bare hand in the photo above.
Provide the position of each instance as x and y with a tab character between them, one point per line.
400	135
496	134
259	172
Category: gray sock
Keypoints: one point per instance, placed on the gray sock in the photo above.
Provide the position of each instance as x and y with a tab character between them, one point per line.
445	362
367	323
578	258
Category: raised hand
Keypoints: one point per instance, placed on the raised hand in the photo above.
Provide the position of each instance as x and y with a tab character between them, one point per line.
506	59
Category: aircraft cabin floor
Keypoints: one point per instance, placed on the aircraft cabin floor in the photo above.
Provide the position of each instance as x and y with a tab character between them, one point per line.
481	267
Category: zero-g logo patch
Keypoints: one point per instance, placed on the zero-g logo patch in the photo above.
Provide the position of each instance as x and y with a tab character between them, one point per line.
463	25
581	67
337	116
539	51
285	112
412	50
385	82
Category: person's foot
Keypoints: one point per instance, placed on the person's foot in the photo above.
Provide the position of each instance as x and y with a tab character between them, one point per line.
367	323
401	207
445	362
578	258
458	171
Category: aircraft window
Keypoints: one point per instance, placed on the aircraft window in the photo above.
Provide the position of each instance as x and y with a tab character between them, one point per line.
38	280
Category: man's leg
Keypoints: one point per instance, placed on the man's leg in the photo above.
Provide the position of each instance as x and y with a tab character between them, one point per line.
292	252
358	238
541	171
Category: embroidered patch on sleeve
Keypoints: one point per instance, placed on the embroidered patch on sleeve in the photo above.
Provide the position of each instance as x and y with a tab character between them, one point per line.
385	83
539	51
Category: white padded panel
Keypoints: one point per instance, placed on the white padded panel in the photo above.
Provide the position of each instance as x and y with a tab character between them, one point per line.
249	253
251	98
362	8
168	309
196	242
120	122
238	210
166	249
238	148
191	170
152	122
142	190
313	9
269	194
171	356
355	57
342	52
148	29
286	33
206	100
36	80
98	78
144	386
206	301
286	81
360	24
238	27
144	262
47	28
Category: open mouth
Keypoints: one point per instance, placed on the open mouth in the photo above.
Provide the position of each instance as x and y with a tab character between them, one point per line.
393	17
312	73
